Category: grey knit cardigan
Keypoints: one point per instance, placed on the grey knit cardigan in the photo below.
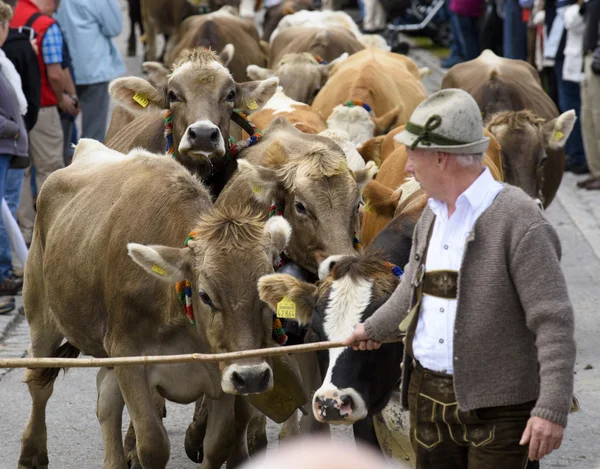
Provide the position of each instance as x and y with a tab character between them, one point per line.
513	334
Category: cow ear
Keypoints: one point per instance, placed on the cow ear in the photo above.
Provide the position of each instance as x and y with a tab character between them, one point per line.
380	199
363	176
263	181
278	233
226	55
371	150
255	72
326	69
158	74
253	94
137	95
557	131
386	122
163	262
272	288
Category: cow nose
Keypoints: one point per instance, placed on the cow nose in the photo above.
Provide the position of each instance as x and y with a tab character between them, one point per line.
203	135
251	379
328	409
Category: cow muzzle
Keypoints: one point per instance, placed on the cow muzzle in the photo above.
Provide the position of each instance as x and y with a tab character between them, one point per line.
337	406
247	379
202	139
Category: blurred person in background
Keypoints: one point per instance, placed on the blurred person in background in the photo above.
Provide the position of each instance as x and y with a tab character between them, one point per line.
13	144
89	27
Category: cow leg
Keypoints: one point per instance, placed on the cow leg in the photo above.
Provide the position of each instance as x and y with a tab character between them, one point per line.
45	342
257	433
135	17
109	409
149	34
152	442
220	431
164	51
244	414
194	436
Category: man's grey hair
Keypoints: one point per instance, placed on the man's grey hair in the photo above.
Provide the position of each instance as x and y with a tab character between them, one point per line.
468	160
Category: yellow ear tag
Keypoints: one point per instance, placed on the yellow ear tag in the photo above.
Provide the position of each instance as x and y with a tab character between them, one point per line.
159	270
286	309
256	189
140	99
251	104
558	135
368	209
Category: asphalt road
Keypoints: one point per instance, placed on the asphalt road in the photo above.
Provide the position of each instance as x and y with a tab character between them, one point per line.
74	439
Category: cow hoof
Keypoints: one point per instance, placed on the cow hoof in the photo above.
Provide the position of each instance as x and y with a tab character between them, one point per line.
193	450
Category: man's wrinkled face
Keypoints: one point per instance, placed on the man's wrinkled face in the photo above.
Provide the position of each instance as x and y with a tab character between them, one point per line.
423	165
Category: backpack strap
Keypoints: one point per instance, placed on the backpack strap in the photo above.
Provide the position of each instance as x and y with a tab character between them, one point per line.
32	19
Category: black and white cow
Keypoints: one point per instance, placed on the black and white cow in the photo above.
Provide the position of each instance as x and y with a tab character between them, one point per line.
356	384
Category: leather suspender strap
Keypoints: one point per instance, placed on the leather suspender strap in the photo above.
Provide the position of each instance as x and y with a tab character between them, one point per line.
418	284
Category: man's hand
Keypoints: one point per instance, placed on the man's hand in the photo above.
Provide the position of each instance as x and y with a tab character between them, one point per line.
359	340
67	105
543	437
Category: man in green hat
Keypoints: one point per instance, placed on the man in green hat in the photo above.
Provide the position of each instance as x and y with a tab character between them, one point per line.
489	348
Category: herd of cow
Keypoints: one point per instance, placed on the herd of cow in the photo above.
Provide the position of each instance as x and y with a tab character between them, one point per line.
300	192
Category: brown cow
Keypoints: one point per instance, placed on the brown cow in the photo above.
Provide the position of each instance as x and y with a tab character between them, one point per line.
201	94
308	179
395	192
522	117
216	31
388	83
90	216
163	17
274	14
297	56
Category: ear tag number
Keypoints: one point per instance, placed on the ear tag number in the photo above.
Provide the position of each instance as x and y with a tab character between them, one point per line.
558	135
256	189
140	99
286	309
159	270
251	104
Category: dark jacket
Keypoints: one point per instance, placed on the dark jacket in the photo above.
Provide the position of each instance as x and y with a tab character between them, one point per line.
592	24
13	134
19	51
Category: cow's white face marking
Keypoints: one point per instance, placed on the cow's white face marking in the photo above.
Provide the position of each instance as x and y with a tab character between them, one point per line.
348	299
281	103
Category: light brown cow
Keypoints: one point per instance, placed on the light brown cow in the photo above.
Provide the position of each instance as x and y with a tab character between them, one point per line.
216	31
201	95
522	117
389	84
80	285
308	179
297	56
394	192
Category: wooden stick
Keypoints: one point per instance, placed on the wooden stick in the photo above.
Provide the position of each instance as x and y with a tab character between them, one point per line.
53	362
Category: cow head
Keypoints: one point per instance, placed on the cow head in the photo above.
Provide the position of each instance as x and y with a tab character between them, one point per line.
359	124
300	74
356	384
308	179
201	95
525	140
227	307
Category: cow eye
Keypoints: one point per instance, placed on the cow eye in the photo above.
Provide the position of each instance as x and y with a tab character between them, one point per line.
300	208
231	95
205	298
172	97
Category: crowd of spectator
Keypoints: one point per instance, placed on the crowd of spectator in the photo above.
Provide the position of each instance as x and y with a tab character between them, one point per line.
56	60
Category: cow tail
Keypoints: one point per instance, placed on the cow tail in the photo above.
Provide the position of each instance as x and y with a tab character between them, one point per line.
43	377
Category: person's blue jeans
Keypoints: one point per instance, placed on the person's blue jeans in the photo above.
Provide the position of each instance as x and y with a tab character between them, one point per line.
467	34
569	97
515	31
7	187
455	46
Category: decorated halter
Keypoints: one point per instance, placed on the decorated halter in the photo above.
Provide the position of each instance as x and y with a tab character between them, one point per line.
397	271
184	296
320	59
359	103
234	148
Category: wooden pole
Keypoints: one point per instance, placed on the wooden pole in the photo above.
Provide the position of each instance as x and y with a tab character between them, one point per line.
53	362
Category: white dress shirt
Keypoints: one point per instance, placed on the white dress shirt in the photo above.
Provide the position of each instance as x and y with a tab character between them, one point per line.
434	336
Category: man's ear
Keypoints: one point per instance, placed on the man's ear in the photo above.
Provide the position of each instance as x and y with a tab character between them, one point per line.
163	262
137	95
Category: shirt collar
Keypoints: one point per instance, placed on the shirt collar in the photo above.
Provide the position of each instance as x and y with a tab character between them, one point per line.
474	195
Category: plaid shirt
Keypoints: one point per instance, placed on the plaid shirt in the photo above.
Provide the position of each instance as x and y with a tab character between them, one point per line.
52	46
